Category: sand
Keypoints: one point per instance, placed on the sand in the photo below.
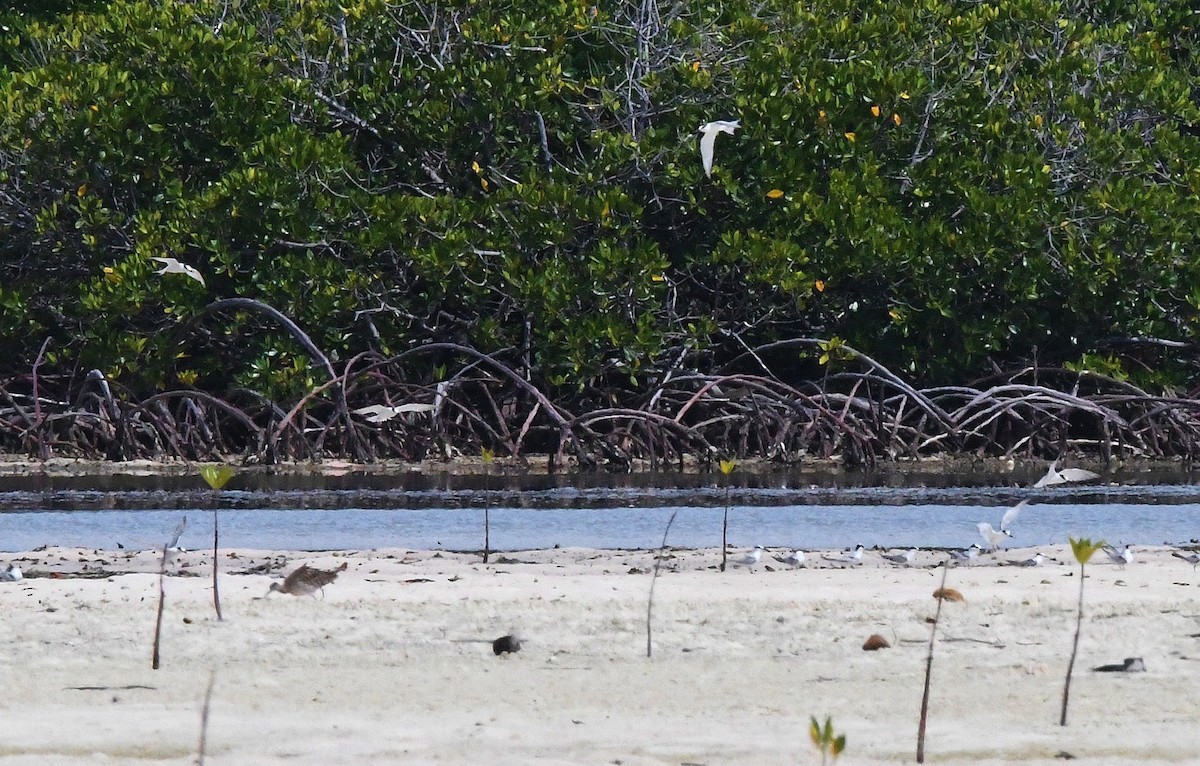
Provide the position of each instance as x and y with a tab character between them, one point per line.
392	665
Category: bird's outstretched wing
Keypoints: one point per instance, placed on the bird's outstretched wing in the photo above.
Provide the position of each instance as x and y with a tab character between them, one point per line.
178	533
707	139
1011	515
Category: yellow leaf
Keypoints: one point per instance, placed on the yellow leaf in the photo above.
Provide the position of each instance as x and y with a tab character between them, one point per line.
216	476
821	119
94	108
819	285
904	95
475	167
1045	168
775	194
695	66
82	190
1037	120
657	278
875	110
727	466
895	118
851	137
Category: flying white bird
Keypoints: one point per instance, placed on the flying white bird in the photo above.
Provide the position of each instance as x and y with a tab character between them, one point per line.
11	574
904	559
708	136
381	413
1119	557
751	559
854	557
966	555
1192	558
1036	561
793	559
172	266
994	537
1055	476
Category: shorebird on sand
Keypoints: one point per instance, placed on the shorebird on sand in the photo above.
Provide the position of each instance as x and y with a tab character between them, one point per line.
994	537
11	574
307	580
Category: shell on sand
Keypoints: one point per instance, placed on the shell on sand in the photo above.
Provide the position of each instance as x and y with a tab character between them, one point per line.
874	642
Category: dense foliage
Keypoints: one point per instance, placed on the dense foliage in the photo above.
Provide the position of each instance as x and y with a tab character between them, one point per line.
949	187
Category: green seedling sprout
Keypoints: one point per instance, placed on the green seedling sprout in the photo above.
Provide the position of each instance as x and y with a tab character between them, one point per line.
830	744
216	476
1083	549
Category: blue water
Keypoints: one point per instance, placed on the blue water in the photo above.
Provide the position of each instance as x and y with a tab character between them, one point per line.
900	523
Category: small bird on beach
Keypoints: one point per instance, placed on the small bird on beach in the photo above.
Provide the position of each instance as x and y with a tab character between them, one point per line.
1055	476
173	266
11	574
903	559
966	555
1036	561
307	580
751	559
853	557
793	559
994	537
1192	558
1119	557
708	136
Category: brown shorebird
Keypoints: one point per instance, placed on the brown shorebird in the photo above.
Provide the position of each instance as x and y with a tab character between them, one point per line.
307	580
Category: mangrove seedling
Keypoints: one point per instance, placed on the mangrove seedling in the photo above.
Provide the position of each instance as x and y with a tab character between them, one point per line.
727	467
171	545
488	456
654	578
1083	549
216	476
830	744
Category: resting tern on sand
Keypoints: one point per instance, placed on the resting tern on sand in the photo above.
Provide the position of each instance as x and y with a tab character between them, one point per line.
854	557
172	266
1036	561
1055	476
793	559
994	537
12	574
966	555
903	559
751	559
708	137
1119	557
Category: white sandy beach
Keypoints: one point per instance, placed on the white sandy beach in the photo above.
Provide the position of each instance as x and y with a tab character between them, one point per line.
378	671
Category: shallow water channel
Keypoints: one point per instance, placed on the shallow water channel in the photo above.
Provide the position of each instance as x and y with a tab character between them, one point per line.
786	508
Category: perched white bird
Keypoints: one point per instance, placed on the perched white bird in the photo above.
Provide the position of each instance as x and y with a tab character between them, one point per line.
751	559
1192	558
11	574
1036	561
172	266
1055	476
381	413
1119	557
708	136
793	559
994	537
904	559
854	557
966	555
